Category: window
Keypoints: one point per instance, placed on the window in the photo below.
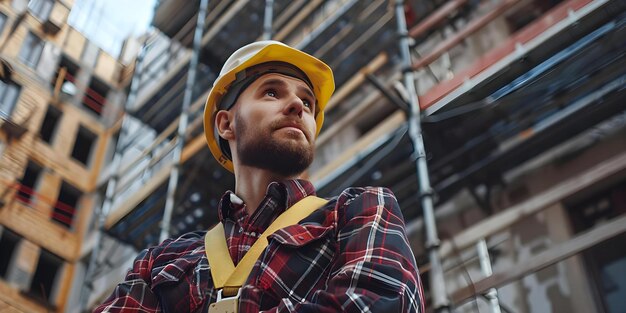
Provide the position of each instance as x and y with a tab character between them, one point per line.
65	207
31	50
83	145
71	71
45	275
3	21
95	96
8	242
50	123
9	94
41	8
29	182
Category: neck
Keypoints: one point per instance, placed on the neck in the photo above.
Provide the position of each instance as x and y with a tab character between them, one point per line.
251	185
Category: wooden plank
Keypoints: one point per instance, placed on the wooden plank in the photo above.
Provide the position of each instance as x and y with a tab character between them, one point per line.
284	31
285	15
58	83
347	119
224	18
356	80
542	260
360	42
191	148
535	204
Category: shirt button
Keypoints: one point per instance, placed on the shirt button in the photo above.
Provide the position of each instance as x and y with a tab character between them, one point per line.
240	229
301	237
252	234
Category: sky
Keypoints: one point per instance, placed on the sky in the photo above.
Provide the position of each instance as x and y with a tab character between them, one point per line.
108	22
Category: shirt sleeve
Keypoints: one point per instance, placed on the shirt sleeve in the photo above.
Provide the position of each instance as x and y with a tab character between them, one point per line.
375	269
134	293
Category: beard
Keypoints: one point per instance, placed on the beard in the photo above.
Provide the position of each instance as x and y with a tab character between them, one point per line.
283	157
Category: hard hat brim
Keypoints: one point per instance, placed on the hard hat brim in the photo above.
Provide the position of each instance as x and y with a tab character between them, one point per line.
318	72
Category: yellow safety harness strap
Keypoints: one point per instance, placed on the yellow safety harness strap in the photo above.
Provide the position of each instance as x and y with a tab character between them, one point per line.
225	274
221	267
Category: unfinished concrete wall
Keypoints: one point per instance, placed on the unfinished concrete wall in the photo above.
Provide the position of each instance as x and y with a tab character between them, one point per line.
33	220
561	287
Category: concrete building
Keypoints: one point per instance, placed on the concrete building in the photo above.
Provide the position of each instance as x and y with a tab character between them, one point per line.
60	103
523	121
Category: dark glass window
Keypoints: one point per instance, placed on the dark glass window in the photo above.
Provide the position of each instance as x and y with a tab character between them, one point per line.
50	123
45	275
29	182
83	145
8	242
95	96
66	205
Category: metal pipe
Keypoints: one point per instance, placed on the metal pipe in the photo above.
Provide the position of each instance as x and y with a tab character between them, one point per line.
436	17
267	20
325	24
485	266
103	211
468	30
182	123
440	299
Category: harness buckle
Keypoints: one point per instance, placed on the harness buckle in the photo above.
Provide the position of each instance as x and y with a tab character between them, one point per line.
225	305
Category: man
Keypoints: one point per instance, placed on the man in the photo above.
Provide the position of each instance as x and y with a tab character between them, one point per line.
350	254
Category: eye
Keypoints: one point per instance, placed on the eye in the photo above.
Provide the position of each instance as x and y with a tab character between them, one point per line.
306	103
271	93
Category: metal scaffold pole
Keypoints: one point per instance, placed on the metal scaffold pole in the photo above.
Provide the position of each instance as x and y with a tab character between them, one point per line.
103	211
267	19
485	266
437	284
182	124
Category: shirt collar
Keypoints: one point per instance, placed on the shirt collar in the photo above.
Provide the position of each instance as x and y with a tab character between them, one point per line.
286	192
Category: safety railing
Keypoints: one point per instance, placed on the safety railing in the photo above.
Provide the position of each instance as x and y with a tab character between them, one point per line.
143	166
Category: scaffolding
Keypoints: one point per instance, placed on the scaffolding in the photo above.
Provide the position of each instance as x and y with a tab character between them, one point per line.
415	113
437	282
102	212
183	122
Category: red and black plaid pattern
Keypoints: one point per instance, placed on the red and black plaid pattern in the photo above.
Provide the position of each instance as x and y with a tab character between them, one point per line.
352	255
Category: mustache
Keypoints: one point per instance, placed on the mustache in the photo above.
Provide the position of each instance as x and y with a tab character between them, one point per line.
290	123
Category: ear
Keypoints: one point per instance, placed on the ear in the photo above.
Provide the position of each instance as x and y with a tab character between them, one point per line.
224	124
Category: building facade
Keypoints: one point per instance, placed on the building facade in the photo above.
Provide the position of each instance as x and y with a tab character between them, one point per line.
522	117
60	102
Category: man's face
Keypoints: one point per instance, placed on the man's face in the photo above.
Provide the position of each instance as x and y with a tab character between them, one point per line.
275	125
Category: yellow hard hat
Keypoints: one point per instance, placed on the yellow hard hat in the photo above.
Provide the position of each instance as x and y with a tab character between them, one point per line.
318	75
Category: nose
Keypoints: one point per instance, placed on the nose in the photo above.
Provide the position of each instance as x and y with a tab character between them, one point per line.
294	106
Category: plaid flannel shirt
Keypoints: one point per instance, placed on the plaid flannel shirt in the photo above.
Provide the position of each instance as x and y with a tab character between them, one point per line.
352	255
